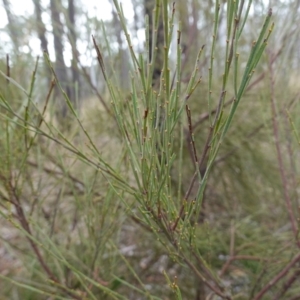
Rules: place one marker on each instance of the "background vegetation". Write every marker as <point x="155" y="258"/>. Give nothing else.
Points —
<point x="150" y="157"/>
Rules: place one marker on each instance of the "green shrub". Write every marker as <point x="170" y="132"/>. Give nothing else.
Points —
<point x="174" y="194"/>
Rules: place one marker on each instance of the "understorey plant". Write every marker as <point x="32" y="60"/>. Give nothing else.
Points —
<point x="152" y="124"/>
<point x="100" y="198"/>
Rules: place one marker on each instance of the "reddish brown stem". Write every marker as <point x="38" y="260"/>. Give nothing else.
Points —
<point x="191" y="139"/>
<point x="25" y="225"/>
<point x="287" y="285"/>
<point x="208" y="284"/>
<point x="276" y="278"/>
<point x="283" y="176"/>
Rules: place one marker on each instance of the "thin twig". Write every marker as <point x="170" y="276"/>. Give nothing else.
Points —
<point x="239" y="257"/>
<point x="203" y="117"/>
<point x="14" y="198"/>
<point x="208" y="284"/>
<point x="46" y="103"/>
<point x="191" y="134"/>
<point x="279" y="156"/>
<point x="277" y="277"/>
<point x="202" y="159"/>
<point x="287" y="285"/>
<point x="7" y="69"/>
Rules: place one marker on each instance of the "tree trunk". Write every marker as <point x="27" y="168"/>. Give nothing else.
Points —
<point x="149" y="8"/>
<point x="123" y="57"/>
<point x="41" y="31"/>
<point x="73" y="41"/>
<point x="41" y="28"/>
<point x="60" y="67"/>
<point x="13" y="27"/>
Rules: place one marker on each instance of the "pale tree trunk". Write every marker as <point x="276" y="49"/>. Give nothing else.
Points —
<point x="60" y="67"/>
<point x="13" y="29"/>
<point x="123" y="56"/>
<point x="189" y="32"/>
<point x="73" y="41"/>
<point x="149" y="7"/>
<point x="40" y="26"/>
<point x="41" y="31"/>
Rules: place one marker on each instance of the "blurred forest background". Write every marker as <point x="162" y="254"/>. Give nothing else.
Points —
<point x="67" y="232"/>
<point x="64" y="30"/>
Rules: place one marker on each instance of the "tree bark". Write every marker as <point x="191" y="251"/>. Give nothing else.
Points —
<point x="13" y="27"/>
<point x="40" y="26"/>
<point x="123" y="57"/>
<point x="41" y="31"/>
<point x="60" y="67"/>
<point x="149" y="8"/>
<point x="73" y="41"/>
